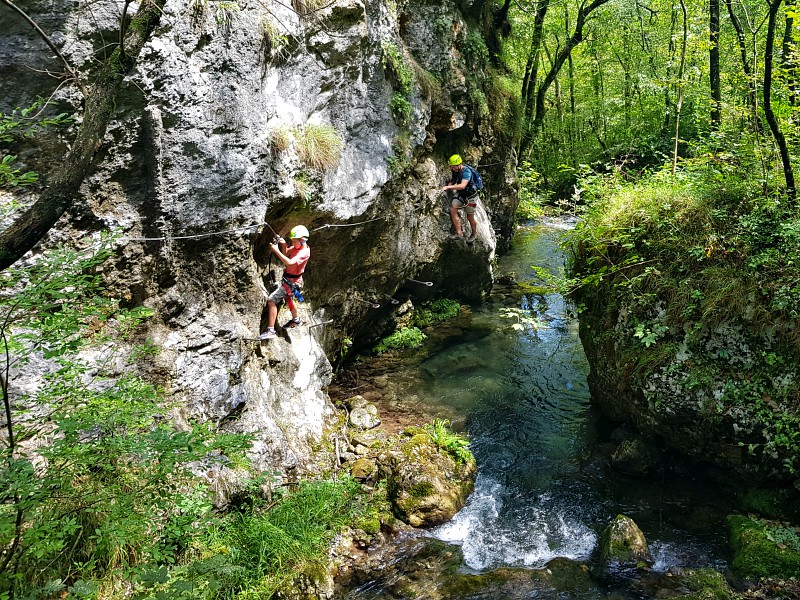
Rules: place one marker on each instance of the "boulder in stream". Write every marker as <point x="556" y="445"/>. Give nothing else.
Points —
<point x="623" y="545"/>
<point x="427" y="485"/>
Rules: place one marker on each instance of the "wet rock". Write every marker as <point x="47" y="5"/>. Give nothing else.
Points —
<point x="426" y="485"/>
<point x="563" y="574"/>
<point x="623" y="545"/>
<point x="636" y="456"/>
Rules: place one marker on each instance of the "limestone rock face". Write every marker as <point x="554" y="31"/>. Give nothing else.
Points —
<point x="623" y="544"/>
<point x="208" y="141"/>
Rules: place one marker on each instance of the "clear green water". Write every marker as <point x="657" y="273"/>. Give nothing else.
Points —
<point x="543" y="488"/>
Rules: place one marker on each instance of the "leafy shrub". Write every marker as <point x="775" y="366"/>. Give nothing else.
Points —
<point x="445" y="439"/>
<point x="436" y="312"/>
<point x="531" y="199"/>
<point x="406" y="337"/>
<point x="106" y="488"/>
<point x="398" y="68"/>
<point x="401" y="109"/>
<point x="319" y="146"/>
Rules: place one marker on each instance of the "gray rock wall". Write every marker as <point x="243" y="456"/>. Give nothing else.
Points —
<point x="200" y="146"/>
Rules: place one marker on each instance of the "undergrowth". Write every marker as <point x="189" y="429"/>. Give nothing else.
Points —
<point x="436" y="312"/>
<point x="687" y="256"/>
<point x="405" y="337"/>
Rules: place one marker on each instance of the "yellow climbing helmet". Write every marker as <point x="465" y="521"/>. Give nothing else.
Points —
<point x="455" y="160"/>
<point x="299" y="231"/>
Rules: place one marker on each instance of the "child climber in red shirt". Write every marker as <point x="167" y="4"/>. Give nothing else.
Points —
<point x="295" y="259"/>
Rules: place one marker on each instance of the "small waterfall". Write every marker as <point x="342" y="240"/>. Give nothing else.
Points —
<point x="493" y="532"/>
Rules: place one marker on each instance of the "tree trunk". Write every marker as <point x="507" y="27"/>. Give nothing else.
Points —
<point x="577" y="38"/>
<point x="752" y="99"/>
<point x="679" y="104"/>
<point x="532" y="71"/>
<point x="788" y="59"/>
<point x="713" y="64"/>
<point x="769" y="48"/>
<point x="63" y="187"/>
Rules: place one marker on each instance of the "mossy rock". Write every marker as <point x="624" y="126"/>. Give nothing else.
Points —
<point x="706" y="584"/>
<point x="426" y="485"/>
<point x="623" y="544"/>
<point x="763" y="548"/>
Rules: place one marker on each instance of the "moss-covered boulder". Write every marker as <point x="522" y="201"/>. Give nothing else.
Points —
<point x="427" y="484"/>
<point x="764" y="548"/>
<point x="623" y="544"/>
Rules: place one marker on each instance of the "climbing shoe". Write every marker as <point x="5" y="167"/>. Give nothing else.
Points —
<point x="292" y="323"/>
<point x="267" y="335"/>
<point x="471" y="238"/>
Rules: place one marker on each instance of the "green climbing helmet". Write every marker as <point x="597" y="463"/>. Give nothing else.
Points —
<point x="299" y="231"/>
<point x="455" y="160"/>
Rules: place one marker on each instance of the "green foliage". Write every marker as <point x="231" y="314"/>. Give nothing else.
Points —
<point x="531" y="198"/>
<point x="401" y="109"/>
<point x="406" y="337"/>
<point x="274" y="41"/>
<point x="101" y="485"/>
<point x="319" y="146"/>
<point x="400" y="160"/>
<point x="474" y="49"/>
<point x="445" y="439"/>
<point x="398" y="68"/>
<point x="764" y="548"/>
<point x="264" y="550"/>
<point x="11" y="177"/>
<point x="436" y="312"/>
<point x="687" y="255"/>
<point x="24" y="124"/>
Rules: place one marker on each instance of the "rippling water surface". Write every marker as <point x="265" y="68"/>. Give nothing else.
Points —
<point x="541" y="491"/>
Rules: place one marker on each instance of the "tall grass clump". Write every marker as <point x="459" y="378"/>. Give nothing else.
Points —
<point x="265" y="549"/>
<point x="319" y="146"/>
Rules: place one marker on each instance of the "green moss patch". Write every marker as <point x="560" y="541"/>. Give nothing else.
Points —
<point x="764" y="548"/>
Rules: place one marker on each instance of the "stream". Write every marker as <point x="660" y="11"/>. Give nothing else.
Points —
<point x="514" y="379"/>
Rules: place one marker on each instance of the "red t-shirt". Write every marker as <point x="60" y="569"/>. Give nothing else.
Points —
<point x="303" y="253"/>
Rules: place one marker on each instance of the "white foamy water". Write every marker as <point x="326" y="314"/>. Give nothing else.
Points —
<point x="491" y="536"/>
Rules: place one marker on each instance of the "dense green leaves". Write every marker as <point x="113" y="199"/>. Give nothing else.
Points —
<point x="94" y="480"/>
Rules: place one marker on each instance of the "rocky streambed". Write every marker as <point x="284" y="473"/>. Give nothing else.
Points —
<point x="564" y="504"/>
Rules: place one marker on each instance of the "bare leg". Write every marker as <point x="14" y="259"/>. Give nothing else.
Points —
<point x="473" y="225"/>
<point x="272" y="314"/>
<point x="456" y="220"/>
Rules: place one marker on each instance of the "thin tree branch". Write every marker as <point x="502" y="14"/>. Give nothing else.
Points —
<point x="72" y="74"/>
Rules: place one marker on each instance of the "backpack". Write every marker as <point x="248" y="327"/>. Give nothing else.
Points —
<point x="477" y="180"/>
